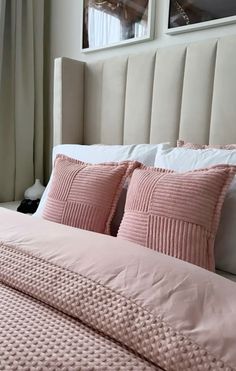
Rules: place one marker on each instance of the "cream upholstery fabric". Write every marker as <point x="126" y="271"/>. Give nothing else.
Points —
<point x="197" y="91"/>
<point x="167" y="93"/>
<point x="223" y="123"/>
<point x="185" y="91"/>
<point x="113" y="100"/>
<point x="138" y="98"/>
<point x="68" y="101"/>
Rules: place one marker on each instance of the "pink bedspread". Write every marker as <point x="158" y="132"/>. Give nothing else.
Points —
<point x="76" y="300"/>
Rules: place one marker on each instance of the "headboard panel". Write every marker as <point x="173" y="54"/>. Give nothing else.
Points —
<point x="197" y="92"/>
<point x="223" y="119"/>
<point x="186" y="92"/>
<point x="113" y="101"/>
<point x="138" y="99"/>
<point x="167" y="94"/>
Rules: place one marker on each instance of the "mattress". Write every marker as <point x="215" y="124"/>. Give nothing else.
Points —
<point x="76" y="300"/>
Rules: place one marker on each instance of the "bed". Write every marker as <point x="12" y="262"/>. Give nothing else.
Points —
<point x="73" y="299"/>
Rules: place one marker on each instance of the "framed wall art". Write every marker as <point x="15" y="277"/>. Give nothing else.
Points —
<point x="190" y="15"/>
<point x="110" y="23"/>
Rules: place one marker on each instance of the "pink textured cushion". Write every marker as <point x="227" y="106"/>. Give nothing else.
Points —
<point x="84" y="195"/>
<point x="183" y="144"/>
<point x="176" y="213"/>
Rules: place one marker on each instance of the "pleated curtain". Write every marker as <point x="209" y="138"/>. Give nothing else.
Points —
<point x="21" y="96"/>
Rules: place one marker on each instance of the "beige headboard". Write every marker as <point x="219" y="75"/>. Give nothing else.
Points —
<point x="186" y="92"/>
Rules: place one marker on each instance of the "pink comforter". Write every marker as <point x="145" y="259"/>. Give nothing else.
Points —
<point x="76" y="300"/>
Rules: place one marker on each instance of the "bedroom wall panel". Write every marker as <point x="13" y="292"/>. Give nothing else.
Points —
<point x="138" y="99"/>
<point x="167" y="94"/>
<point x="186" y="92"/>
<point x="113" y="100"/>
<point x="223" y="118"/>
<point x="93" y="100"/>
<point x="68" y="105"/>
<point x="197" y="92"/>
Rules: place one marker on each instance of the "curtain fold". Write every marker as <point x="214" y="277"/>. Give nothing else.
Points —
<point x="103" y="28"/>
<point x="21" y="96"/>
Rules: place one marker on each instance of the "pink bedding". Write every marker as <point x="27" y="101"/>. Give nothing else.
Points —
<point x="77" y="300"/>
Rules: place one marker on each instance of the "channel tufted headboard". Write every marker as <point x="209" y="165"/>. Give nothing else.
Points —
<point x="186" y="92"/>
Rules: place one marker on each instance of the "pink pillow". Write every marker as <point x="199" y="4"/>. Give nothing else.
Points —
<point x="84" y="195"/>
<point x="183" y="144"/>
<point x="176" y="213"/>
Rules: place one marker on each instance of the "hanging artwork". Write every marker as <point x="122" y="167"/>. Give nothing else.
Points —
<point x="109" y="23"/>
<point x="189" y="15"/>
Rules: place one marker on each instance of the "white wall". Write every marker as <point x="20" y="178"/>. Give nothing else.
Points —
<point x="65" y="29"/>
<point x="64" y="39"/>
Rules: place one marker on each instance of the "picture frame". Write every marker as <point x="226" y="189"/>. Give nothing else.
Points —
<point x="89" y="44"/>
<point x="199" y="24"/>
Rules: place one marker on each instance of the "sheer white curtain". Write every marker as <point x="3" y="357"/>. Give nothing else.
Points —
<point x="21" y="95"/>
<point x="140" y="29"/>
<point x="103" y="29"/>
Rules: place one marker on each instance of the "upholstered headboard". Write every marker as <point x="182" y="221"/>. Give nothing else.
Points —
<point x="186" y="92"/>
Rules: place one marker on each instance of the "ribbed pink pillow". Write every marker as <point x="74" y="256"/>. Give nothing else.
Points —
<point x="183" y="144"/>
<point x="84" y="195"/>
<point x="176" y="213"/>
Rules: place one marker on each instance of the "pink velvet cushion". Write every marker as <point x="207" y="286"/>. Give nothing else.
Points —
<point x="183" y="144"/>
<point x="84" y="195"/>
<point x="176" y="213"/>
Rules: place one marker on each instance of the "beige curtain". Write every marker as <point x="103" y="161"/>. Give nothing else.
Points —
<point x="21" y="96"/>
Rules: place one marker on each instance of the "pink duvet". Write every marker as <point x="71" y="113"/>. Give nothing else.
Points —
<point x="150" y="310"/>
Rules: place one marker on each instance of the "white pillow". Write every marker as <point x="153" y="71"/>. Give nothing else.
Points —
<point x="183" y="159"/>
<point x="99" y="153"/>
